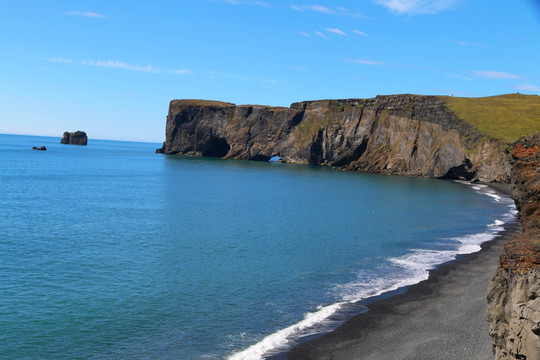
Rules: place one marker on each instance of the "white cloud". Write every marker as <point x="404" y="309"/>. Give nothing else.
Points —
<point x="122" y="65"/>
<point x="457" y="76"/>
<point x="496" y="75"/>
<point x="304" y="33"/>
<point x="319" y="8"/>
<point x="248" y="2"/>
<point x="178" y="72"/>
<point x="84" y="14"/>
<point x="326" y="10"/>
<point x="320" y="34"/>
<point x="359" y="32"/>
<point x="336" y="31"/>
<point x="369" y="62"/>
<point x="527" y="87"/>
<point x="60" y="60"/>
<point x="464" y="43"/>
<point x="413" y="7"/>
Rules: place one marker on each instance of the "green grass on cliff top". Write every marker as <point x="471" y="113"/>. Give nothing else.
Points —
<point x="503" y="117"/>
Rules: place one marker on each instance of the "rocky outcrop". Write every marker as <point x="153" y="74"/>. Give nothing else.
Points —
<point x="399" y="134"/>
<point x="74" y="138"/>
<point x="514" y="291"/>
<point x="41" y="148"/>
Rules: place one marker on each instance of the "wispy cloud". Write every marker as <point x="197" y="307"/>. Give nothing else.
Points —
<point x="338" y="10"/>
<point x="413" y="7"/>
<point x="89" y="14"/>
<point x="305" y="34"/>
<point x="317" y="8"/>
<point x="368" y="62"/>
<point x="457" y="76"/>
<point x="496" y="75"/>
<point x="336" y="31"/>
<point x="358" y="32"/>
<point x="122" y="65"/>
<point x="249" y="2"/>
<point x="527" y="87"/>
<point x="320" y="34"/>
<point x="60" y="60"/>
<point x="178" y="72"/>
<point x="464" y="43"/>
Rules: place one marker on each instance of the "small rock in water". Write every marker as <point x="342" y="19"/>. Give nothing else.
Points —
<point x="43" y="148"/>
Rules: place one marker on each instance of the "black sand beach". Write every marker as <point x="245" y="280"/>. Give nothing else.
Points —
<point x="443" y="317"/>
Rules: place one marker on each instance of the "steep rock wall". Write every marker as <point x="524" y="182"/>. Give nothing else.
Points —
<point x="514" y="291"/>
<point x="398" y="134"/>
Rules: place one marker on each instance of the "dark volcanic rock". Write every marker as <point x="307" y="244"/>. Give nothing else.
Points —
<point x="76" y="138"/>
<point x="514" y="291"/>
<point x="398" y="134"/>
<point x="42" y="148"/>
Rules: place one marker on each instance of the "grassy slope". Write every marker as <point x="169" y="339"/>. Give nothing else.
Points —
<point x="504" y="117"/>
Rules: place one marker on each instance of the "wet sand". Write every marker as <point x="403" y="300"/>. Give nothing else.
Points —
<point x="443" y="317"/>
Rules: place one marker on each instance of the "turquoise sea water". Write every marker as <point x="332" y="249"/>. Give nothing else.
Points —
<point x="113" y="251"/>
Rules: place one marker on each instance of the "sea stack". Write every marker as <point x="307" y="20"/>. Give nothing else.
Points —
<point x="74" y="138"/>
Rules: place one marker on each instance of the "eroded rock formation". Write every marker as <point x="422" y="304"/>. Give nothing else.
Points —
<point x="398" y="134"/>
<point x="514" y="291"/>
<point x="74" y="138"/>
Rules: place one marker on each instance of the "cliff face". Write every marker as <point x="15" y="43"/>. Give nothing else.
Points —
<point x="398" y="134"/>
<point x="514" y="291"/>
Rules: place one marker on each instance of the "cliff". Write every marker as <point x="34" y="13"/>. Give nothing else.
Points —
<point x="398" y="134"/>
<point x="514" y="291"/>
<point x="76" y="138"/>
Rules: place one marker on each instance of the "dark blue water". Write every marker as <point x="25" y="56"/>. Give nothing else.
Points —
<point x="113" y="251"/>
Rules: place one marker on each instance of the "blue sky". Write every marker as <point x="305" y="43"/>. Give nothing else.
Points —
<point x="110" y="68"/>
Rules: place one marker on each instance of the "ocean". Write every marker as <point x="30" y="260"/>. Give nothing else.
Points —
<point x="113" y="251"/>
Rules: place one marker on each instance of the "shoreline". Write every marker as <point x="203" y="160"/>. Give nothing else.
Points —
<point x="441" y="317"/>
<point x="409" y="322"/>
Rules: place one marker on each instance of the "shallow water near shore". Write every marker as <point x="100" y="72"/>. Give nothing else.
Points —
<point x="113" y="251"/>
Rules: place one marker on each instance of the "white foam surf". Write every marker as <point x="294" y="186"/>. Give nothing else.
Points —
<point x="280" y="338"/>
<point x="401" y="271"/>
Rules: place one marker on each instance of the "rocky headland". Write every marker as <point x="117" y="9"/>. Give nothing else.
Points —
<point x="399" y="135"/>
<point x="74" y="138"/>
